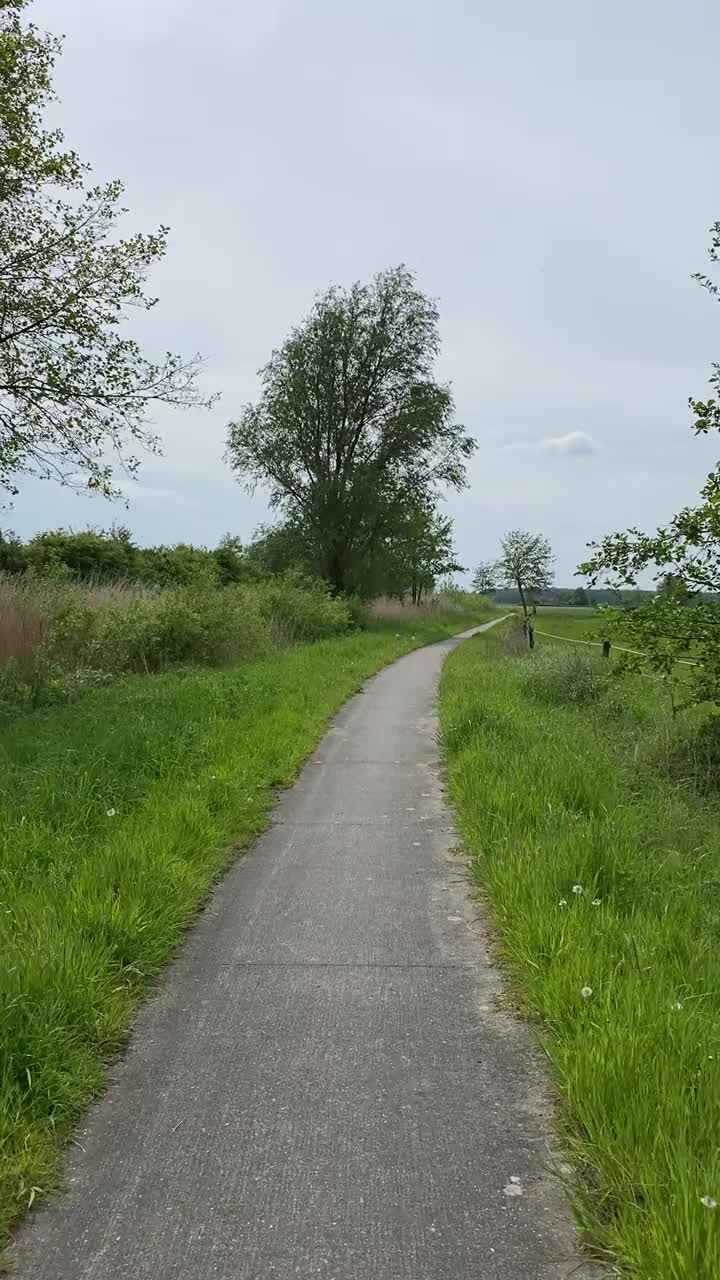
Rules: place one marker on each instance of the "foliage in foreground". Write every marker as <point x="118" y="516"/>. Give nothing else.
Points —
<point x="603" y="882"/>
<point x="116" y="814"/>
<point x="683" y="619"/>
<point x="74" y="388"/>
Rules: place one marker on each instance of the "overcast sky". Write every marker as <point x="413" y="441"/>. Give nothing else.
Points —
<point x="547" y="169"/>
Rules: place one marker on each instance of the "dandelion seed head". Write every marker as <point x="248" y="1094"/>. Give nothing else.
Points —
<point x="586" y="993"/>
<point x="596" y="902"/>
<point x="110" y="813"/>
<point x="577" y="888"/>
<point x="709" y="1202"/>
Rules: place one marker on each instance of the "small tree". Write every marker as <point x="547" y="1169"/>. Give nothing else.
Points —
<point x="684" y="556"/>
<point x="485" y="578"/>
<point x="350" y="428"/>
<point x="526" y="563"/>
<point x="74" y="388"/>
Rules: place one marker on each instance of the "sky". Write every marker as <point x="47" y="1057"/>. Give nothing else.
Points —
<point x="548" y="171"/>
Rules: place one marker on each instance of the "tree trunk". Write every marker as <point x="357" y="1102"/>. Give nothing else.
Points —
<point x="522" y="597"/>
<point x="336" y="574"/>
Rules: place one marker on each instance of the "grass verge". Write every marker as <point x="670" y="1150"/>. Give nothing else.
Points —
<point x="603" y="882"/>
<point x="116" y="813"/>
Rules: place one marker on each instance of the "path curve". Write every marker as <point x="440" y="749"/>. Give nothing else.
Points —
<point x="324" y="1084"/>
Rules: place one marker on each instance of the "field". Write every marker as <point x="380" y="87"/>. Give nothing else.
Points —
<point x="118" y="809"/>
<point x="592" y="826"/>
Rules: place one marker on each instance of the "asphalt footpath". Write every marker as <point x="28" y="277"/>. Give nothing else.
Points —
<point x="325" y="1082"/>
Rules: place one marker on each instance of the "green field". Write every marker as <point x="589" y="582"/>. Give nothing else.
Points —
<point x="600" y="863"/>
<point x="117" y="812"/>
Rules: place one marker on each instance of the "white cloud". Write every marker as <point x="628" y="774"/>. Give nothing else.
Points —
<point x="573" y="443"/>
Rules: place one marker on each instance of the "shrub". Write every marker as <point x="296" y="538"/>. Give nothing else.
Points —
<point x="300" y="608"/>
<point x="153" y="632"/>
<point x="89" y="554"/>
<point x="358" y="611"/>
<point x="565" y="677"/>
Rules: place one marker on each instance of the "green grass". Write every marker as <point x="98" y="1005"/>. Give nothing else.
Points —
<point x="553" y="796"/>
<point x="116" y="815"/>
<point x="576" y="624"/>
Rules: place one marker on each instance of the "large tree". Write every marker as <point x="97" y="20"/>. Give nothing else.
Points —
<point x="351" y="426"/>
<point x="526" y="563"/>
<point x="75" y="388"/>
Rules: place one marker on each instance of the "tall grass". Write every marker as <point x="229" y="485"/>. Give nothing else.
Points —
<point x="54" y="634"/>
<point x="603" y="881"/>
<point x="24" y="619"/>
<point x="386" y="608"/>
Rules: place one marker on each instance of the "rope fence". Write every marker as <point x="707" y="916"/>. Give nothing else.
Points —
<point x="638" y="653"/>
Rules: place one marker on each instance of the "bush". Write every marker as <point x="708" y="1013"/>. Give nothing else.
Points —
<point x="90" y="554"/>
<point x="152" y="632"/>
<point x="300" y="609"/>
<point x="562" y="677"/>
<point x="358" y="611"/>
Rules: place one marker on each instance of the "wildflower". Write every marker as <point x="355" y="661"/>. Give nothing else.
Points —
<point x="596" y="902"/>
<point x="577" y="888"/>
<point x="677" y="1005"/>
<point x="562" y="902"/>
<point x="586" y="993"/>
<point x="111" y="813"/>
<point x="709" y="1202"/>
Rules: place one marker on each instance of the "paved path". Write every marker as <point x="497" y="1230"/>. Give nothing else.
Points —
<point x="323" y="1085"/>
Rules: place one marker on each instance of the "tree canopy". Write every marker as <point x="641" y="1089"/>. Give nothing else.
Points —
<point x="350" y="428"/>
<point x="75" y="389"/>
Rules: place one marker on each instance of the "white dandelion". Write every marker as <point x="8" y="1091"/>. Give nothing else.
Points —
<point x="709" y="1202"/>
<point x="577" y="888"/>
<point x="586" y="993"/>
<point x="110" y="813"/>
<point x="596" y="902"/>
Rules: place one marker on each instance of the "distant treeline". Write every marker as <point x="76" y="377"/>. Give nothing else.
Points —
<point x="107" y="555"/>
<point x="575" y="597"/>
<point x="591" y="597"/>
